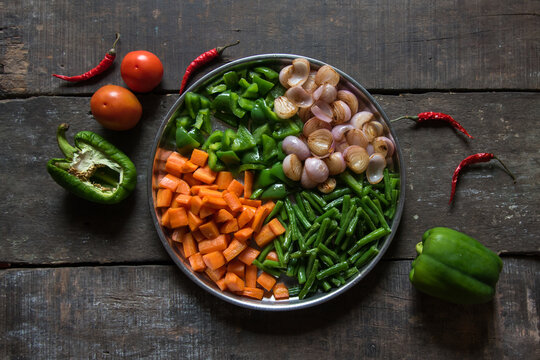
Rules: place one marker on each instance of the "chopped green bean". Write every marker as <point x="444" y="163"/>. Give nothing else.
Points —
<point x="322" y="231"/>
<point x="279" y="251"/>
<point x="326" y="286"/>
<point x="387" y="185"/>
<point x="323" y="248"/>
<point x="334" y="203"/>
<point x="301" y="274"/>
<point x="291" y="267"/>
<point x="346" y="205"/>
<point x="329" y="213"/>
<point x="294" y="290"/>
<point x="367" y="218"/>
<point x="266" y="269"/>
<point x="308" y="196"/>
<point x="336" y="194"/>
<point x="372" y="251"/>
<point x="380" y="197"/>
<point x="377" y="211"/>
<point x="351" y="272"/>
<point x="275" y="211"/>
<point x="301" y="218"/>
<point x="372" y="236"/>
<point x="265" y="252"/>
<point x="351" y="182"/>
<point x="353" y="222"/>
<point x="337" y="268"/>
<point x="345" y="220"/>
<point x="271" y="263"/>
<point x="309" y="210"/>
<point x="318" y="199"/>
<point x="326" y="259"/>
<point x="310" y="280"/>
<point x="334" y="281"/>
<point x="283" y="214"/>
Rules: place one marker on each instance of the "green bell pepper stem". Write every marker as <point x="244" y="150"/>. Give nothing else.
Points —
<point x="351" y="182"/>
<point x="93" y="169"/>
<point x="274" y="192"/>
<point x="372" y="236"/>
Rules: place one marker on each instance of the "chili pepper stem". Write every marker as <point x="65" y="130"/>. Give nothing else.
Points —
<point x="415" y="118"/>
<point x="112" y="50"/>
<point x="505" y="168"/>
<point x="221" y="48"/>
<point x="63" y="144"/>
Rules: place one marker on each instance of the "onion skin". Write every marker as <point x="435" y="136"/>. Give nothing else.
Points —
<point x="300" y="72"/>
<point x="284" y="75"/>
<point x="292" y="167"/>
<point x="299" y="96"/>
<point x="284" y="108"/>
<point x="374" y="171"/>
<point x="327" y="186"/>
<point x="294" y="145"/>
<point x="350" y="99"/>
<point x="314" y="124"/>
<point x="316" y="170"/>
<point x="340" y="112"/>
<point x="357" y="158"/>
<point x="338" y="131"/>
<point x="326" y="93"/>
<point x="359" y="119"/>
<point x="321" y="142"/>
<point x="323" y="111"/>
<point x="327" y="75"/>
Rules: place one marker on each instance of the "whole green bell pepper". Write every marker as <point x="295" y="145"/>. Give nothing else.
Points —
<point x="94" y="169"/>
<point x="455" y="267"/>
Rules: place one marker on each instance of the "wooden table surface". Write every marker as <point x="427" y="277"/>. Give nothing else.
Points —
<point x="80" y="280"/>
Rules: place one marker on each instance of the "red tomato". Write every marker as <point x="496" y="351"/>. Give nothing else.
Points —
<point x="141" y="70"/>
<point x="115" y="107"/>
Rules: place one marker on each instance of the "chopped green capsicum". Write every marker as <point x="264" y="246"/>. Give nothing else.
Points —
<point x="455" y="267"/>
<point x="94" y="169"/>
<point x="184" y="141"/>
<point x="274" y="192"/>
<point x="244" y="140"/>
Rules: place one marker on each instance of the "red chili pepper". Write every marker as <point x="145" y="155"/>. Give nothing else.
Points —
<point x="102" y="66"/>
<point x="430" y="115"/>
<point x="201" y="60"/>
<point x="474" y="159"/>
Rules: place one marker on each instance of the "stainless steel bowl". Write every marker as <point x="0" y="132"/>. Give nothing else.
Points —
<point x="165" y="143"/>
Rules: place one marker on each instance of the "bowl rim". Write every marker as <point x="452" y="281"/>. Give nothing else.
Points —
<point x="281" y="305"/>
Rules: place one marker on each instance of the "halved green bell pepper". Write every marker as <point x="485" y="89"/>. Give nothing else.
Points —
<point x="455" y="267"/>
<point x="94" y="169"/>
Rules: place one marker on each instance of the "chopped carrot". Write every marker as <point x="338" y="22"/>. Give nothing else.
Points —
<point x="208" y="192"/>
<point x="264" y="236"/>
<point x="183" y="187"/>
<point x="174" y="164"/>
<point x="193" y="221"/>
<point x="164" y="197"/>
<point x="270" y="205"/>
<point x="272" y="255"/>
<point x="244" y="234"/>
<point x="197" y="263"/>
<point x="221" y="284"/>
<point x="178" y="234"/>
<point x="209" y="230"/>
<point x="166" y="219"/>
<point x="206" y="211"/>
<point x="170" y="182"/>
<point x="260" y="215"/>
<point x="251" y="275"/>
<point x="234" y="249"/>
<point x="237" y="267"/>
<point x="229" y="227"/>
<point x="191" y="180"/>
<point x="220" y="243"/>
<point x="205" y="174"/>
<point x="175" y="204"/>
<point x="248" y="183"/>
<point x="276" y="227"/>
<point x="246" y="216"/>
<point x="236" y="187"/>
<point x="280" y="291"/>
<point x="183" y="199"/>
<point x="248" y="255"/>
<point x="195" y="204"/>
<point x="233" y="282"/>
<point x="189" y="167"/>
<point x="214" y="260"/>
<point x="222" y="216"/>
<point x="214" y="202"/>
<point x="189" y="245"/>
<point x="253" y="292"/>
<point x="232" y="201"/>
<point x="224" y="179"/>
<point x="198" y="235"/>
<point x="197" y="188"/>
<point x="199" y="157"/>
<point x="178" y="217"/>
<point x="249" y="202"/>
<point x="267" y="281"/>
<point x="217" y="274"/>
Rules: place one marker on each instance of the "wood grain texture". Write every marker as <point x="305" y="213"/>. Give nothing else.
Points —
<point x="50" y="226"/>
<point x="154" y="312"/>
<point x="483" y="44"/>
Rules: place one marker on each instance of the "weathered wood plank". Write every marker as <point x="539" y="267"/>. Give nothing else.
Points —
<point x="397" y="45"/>
<point x="155" y="312"/>
<point x="51" y="226"/>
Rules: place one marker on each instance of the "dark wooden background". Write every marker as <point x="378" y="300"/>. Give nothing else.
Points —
<point x="80" y="280"/>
